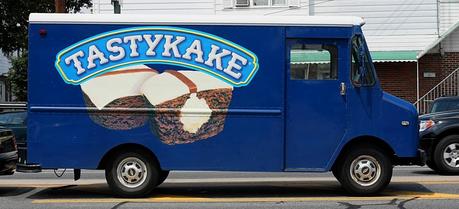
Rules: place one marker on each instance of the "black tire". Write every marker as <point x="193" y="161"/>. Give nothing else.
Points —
<point x="432" y="165"/>
<point x="126" y="162"/>
<point x="335" y="172"/>
<point x="443" y="146"/>
<point x="162" y="177"/>
<point x="372" y="156"/>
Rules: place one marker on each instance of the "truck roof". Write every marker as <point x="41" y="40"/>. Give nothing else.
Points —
<point x="249" y="20"/>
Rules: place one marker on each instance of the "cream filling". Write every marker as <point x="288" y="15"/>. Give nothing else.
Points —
<point x="194" y="114"/>
<point x="165" y="86"/>
<point x="104" y="89"/>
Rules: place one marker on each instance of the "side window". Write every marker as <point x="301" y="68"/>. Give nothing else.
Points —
<point x="362" y="72"/>
<point x="313" y="62"/>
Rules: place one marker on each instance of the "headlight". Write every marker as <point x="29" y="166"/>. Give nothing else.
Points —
<point x="425" y="124"/>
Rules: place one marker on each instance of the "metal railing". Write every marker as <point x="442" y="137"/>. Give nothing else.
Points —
<point x="449" y="86"/>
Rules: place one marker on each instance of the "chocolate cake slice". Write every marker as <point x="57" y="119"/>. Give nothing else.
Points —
<point x="113" y="97"/>
<point x="188" y="105"/>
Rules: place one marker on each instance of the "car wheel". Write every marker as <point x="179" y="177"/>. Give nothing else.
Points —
<point x="132" y="174"/>
<point x="163" y="176"/>
<point x="364" y="170"/>
<point x="446" y="155"/>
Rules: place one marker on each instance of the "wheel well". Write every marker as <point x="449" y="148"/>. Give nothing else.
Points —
<point x="366" y="140"/>
<point x="439" y="137"/>
<point x="124" y="148"/>
<point x="451" y="131"/>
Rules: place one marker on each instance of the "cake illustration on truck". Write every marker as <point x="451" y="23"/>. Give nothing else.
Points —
<point x="108" y="94"/>
<point x="195" y="109"/>
<point x="123" y="90"/>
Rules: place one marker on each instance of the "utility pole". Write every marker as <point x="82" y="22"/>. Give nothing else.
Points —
<point x="60" y="6"/>
<point x="116" y="6"/>
<point x="311" y="7"/>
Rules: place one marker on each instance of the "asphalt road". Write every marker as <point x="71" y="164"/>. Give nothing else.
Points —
<point x="411" y="187"/>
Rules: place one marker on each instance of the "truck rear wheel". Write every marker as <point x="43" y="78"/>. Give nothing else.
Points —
<point x="364" y="170"/>
<point x="132" y="174"/>
<point x="446" y="155"/>
<point x="162" y="176"/>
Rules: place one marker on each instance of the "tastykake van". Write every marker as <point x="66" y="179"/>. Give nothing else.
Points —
<point x="139" y="96"/>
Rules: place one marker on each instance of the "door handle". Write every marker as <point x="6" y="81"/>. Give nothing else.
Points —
<point x="342" y="91"/>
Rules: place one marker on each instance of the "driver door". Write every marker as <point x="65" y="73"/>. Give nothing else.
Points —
<point x="315" y="104"/>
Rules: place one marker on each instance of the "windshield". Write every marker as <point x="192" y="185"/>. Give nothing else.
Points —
<point x="445" y="105"/>
<point x="13" y="118"/>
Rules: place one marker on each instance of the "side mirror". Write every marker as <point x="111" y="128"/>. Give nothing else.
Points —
<point x="362" y="69"/>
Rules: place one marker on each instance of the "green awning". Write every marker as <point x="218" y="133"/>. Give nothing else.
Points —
<point x="394" y="56"/>
<point x="302" y="57"/>
<point x="309" y="57"/>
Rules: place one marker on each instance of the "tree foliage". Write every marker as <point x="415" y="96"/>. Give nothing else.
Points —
<point x="17" y="77"/>
<point x="14" y="15"/>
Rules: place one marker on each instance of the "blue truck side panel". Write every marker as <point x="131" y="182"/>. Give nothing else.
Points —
<point x="262" y="130"/>
<point x="68" y="138"/>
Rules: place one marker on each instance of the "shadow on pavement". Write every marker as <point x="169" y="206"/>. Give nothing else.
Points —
<point x="394" y="202"/>
<point x="428" y="172"/>
<point x="14" y="191"/>
<point x="225" y="190"/>
<point x="433" y="173"/>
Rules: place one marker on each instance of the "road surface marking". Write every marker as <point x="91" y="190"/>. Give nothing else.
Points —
<point x="29" y="182"/>
<point x="181" y="199"/>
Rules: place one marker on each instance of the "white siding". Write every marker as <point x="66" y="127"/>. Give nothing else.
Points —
<point x="390" y="24"/>
<point x="449" y="14"/>
<point x="157" y="7"/>
<point x="451" y="43"/>
<point x="4" y="64"/>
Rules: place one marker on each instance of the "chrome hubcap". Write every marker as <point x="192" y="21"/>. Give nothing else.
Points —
<point x="451" y="155"/>
<point x="131" y="172"/>
<point x="365" y="170"/>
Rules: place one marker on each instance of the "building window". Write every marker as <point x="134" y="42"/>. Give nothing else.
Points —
<point x="239" y="4"/>
<point x="279" y="2"/>
<point x="267" y="3"/>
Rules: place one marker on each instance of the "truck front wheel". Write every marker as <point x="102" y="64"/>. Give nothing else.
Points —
<point x="364" y="170"/>
<point x="132" y="174"/>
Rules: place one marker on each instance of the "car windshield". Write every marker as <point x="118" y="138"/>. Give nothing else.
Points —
<point x="12" y="118"/>
<point x="445" y="105"/>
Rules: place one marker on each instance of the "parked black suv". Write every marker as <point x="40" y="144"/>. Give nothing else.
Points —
<point x="16" y="121"/>
<point x="443" y="104"/>
<point x="439" y="133"/>
<point x="8" y="152"/>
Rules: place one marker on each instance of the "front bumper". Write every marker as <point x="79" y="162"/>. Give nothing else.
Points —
<point x="426" y="143"/>
<point x="8" y="161"/>
<point x="420" y="159"/>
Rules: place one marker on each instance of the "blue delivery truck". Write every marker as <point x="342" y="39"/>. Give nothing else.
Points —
<point x="140" y="95"/>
